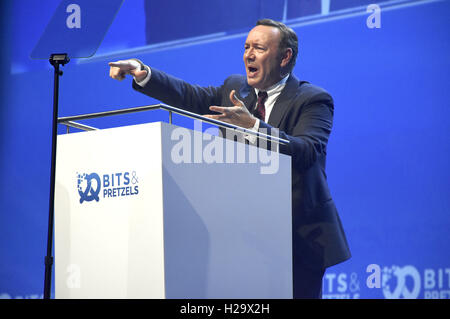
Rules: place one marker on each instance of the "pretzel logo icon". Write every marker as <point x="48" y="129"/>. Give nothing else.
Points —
<point x="401" y="290"/>
<point x="86" y="190"/>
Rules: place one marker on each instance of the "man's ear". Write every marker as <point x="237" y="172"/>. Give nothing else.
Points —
<point x="286" y="57"/>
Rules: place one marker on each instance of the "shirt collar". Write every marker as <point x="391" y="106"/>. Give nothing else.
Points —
<point x="276" y="87"/>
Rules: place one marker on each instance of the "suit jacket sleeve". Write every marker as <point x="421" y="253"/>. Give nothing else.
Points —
<point x="307" y="125"/>
<point x="178" y="93"/>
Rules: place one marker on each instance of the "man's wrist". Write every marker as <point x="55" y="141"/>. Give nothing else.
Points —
<point x="252" y="138"/>
<point x="142" y="77"/>
<point x="255" y="126"/>
<point x="144" y="80"/>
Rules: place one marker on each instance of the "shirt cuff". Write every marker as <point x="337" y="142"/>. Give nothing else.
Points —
<point x="146" y="79"/>
<point x="253" y="138"/>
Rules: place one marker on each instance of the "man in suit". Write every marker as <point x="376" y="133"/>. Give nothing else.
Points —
<point x="270" y="97"/>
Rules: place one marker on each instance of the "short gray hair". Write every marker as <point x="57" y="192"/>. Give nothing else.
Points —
<point x="288" y="39"/>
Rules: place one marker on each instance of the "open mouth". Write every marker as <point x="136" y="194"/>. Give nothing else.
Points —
<point x="252" y="70"/>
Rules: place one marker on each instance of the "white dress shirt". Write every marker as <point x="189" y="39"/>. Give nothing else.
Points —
<point x="273" y="93"/>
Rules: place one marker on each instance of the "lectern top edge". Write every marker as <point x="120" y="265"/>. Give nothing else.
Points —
<point x="69" y="120"/>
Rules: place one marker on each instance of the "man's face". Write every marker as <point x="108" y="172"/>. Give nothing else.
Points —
<point x="261" y="57"/>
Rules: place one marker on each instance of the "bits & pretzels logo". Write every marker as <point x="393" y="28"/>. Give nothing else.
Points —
<point x="93" y="186"/>
<point x="87" y="191"/>
<point x="394" y="282"/>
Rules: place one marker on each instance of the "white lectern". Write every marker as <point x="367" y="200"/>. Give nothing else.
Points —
<point x="159" y="211"/>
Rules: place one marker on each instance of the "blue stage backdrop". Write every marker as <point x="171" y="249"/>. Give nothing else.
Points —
<point x="388" y="154"/>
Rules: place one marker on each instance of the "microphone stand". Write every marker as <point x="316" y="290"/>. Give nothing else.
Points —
<point x="56" y="60"/>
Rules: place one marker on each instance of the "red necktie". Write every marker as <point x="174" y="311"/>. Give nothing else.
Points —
<point x="260" y="111"/>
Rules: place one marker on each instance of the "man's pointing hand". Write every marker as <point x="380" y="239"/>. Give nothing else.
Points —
<point x="118" y="70"/>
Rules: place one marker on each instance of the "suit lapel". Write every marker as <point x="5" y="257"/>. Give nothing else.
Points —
<point x="248" y="96"/>
<point x="283" y="102"/>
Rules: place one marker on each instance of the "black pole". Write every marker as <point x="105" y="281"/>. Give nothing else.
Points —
<point x="56" y="60"/>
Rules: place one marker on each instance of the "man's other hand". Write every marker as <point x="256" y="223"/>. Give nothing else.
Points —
<point x="237" y="114"/>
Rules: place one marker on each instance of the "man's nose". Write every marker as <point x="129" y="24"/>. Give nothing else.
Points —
<point x="249" y="54"/>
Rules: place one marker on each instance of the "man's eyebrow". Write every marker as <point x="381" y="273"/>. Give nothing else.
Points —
<point x="254" y="43"/>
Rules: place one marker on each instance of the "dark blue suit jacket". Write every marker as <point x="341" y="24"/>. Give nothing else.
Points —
<point x="303" y="113"/>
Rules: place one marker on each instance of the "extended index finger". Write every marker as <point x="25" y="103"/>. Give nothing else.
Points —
<point x="219" y="109"/>
<point x="123" y="65"/>
<point x="117" y="63"/>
